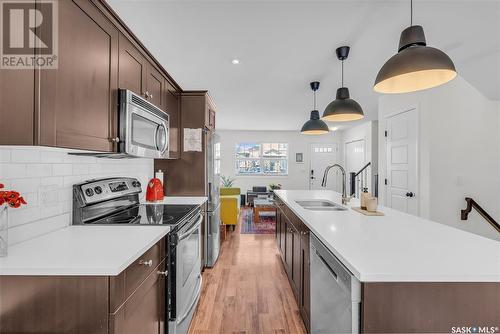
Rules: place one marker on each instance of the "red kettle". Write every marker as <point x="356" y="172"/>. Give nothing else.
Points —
<point x="154" y="191"/>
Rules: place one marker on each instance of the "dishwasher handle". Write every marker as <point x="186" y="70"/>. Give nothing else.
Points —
<point x="330" y="269"/>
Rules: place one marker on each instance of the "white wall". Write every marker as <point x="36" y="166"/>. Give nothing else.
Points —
<point x="298" y="173"/>
<point x="45" y="176"/>
<point x="459" y="152"/>
<point x="367" y="131"/>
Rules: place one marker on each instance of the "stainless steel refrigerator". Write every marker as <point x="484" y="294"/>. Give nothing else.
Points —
<point x="212" y="221"/>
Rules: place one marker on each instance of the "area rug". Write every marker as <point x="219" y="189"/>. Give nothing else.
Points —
<point x="266" y="224"/>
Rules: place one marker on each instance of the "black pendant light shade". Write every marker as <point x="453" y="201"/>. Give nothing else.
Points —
<point x="314" y="126"/>
<point x="343" y="108"/>
<point x="415" y="67"/>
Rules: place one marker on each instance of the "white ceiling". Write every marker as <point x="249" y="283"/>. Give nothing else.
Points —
<point x="283" y="45"/>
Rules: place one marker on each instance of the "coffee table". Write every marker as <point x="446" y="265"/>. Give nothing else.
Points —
<point x="263" y="205"/>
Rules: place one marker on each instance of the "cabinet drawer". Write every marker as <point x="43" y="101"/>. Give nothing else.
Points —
<point x="143" y="311"/>
<point x="123" y="285"/>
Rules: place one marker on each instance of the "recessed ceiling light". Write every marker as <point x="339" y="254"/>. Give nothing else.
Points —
<point x="334" y="128"/>
<point x="235" y="61"/>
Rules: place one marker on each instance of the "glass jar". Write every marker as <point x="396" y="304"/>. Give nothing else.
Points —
<point x="4" y="243"/>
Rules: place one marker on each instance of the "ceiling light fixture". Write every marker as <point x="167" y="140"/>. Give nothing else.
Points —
<point x="343" y="108"/>
<point x="314" y="126"/>
<point x="235" y="61"/>
<point x="416" y="66"/>
<point x="334" y="128"/>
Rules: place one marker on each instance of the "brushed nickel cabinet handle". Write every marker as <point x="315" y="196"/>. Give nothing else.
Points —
<point x="148" y="263"/>
<point x="164" y="273"/>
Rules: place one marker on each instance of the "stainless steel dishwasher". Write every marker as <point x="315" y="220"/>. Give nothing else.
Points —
<point x="335" y="293"/>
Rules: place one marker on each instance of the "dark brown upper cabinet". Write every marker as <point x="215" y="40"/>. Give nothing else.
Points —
<point x="76" y="105"/>
<point x="172" y="105"/>
<point x="78" y="100"/>
<point x="139" y="75"/>
<point x="155" y="87"/>
<point x="132" y="71"/>
<point x="17" y="96"/>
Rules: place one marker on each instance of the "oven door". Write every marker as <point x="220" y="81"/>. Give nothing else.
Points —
<point x="188" y="273"/>
<point x="146" y="130"/>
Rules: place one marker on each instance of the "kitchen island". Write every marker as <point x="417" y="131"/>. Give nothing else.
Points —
<point x="415" y="275"/>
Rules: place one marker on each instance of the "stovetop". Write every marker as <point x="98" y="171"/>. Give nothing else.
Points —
<point x="148" y="214"/>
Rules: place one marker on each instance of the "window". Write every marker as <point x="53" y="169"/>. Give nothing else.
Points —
<point x="262" y="159"/>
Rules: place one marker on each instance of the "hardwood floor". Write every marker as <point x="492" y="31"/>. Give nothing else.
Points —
<point x="247" y="291"/>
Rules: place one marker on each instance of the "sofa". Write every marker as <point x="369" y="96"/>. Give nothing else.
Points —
<point x="229" y="206"/>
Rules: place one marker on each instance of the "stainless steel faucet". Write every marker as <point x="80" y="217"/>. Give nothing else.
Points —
<point x="345" y="199"/>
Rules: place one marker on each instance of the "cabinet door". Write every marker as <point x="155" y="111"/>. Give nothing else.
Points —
<point x="296" y="258"/>
<point x="17" y="89"/>
<point x="78" y="101"/>
<point x="132" y="68"/>
<point x="278" y="228"/>
<point x="155" y="87"/>
<point x="283" y="235"/>
<point x="143" y="312"/>
<point x="305" y="296"/>
<point x="172" y="105"/>
<point x="288" y="246"/>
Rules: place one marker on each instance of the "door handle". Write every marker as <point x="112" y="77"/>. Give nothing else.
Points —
<point x="410" y="194"/>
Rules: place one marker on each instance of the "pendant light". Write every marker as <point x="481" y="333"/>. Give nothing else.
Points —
<point x="343" y="108"/>
<point x="416" y="66"/>
<point x="314" y="126"/>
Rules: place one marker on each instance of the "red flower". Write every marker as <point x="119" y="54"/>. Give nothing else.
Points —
<point x="12" y="198"/>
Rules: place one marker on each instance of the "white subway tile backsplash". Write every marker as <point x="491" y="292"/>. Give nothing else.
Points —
<point x="4" y="155"/>
<point x="12" y="171"/>
<point x="45" y="177"/>
<point x="38" y="170"/>
<point x="25" y="185"/>
<point x="22" y="216"/>
<point x="25" y="155"/>
<point x="52" y="181"/>
<point x="62" y="169"/>
<point x="80" y="169"/>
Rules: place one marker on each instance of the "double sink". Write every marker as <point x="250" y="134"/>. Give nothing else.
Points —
<point x="321" y="205"/>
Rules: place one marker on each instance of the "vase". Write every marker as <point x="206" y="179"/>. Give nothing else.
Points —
<point x="4" y="243"/>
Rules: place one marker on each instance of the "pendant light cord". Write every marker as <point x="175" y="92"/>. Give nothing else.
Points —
<point x="314" y="99"/>
<point x="342" y="73"/>
<point x="411" y="13"/>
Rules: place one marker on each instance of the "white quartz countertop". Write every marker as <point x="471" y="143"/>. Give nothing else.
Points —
<point x="87" y="250"/>
<point x="181" y="200"/>
<point x="81" y="251"/>
<point x="398" y="247"/>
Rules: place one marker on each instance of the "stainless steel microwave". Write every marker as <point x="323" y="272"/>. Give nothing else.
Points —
<point x="143" y="128"/>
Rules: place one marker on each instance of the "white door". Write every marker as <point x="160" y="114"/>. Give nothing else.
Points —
<point x="355" y="159"/>
<point x="402" y="179"/>
<point x="322" y="156"/>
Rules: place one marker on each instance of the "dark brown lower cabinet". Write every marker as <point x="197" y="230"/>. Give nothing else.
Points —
<point x="142" y="311"/>
<point x="129" y="303"/>
<point x="305" y="272"/>
<point x="292" y="238"/>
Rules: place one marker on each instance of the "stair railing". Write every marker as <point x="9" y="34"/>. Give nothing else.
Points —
<point x="473" y="204"/>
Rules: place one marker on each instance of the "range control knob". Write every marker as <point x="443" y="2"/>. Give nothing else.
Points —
<point x="136" y="184"/>
<point x="98" y="190"/>
<point x="89" y="192"/>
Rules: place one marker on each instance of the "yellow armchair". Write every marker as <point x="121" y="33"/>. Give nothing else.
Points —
<point x="229" y="205"/>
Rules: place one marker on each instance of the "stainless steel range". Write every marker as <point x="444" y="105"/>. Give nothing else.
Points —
<point x="115" y="201"/>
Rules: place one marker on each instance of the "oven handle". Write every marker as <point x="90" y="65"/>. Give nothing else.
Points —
<point x="191" y="230"/>
<point x="193" y="302"/>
